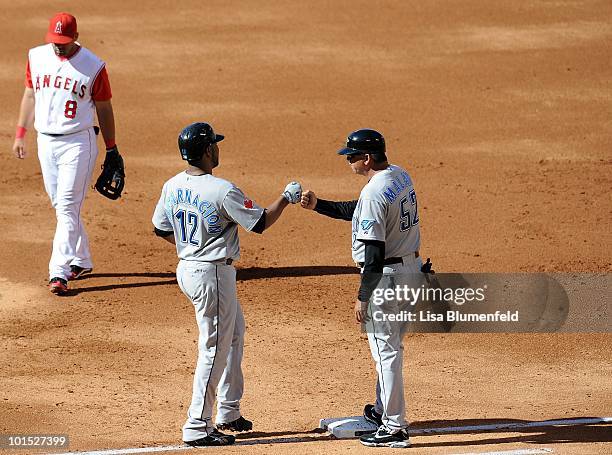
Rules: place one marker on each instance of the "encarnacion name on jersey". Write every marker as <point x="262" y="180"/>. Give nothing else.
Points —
<point x="184" y="196"/>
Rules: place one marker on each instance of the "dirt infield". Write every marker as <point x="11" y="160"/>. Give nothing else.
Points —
<point x="499" y="110"/>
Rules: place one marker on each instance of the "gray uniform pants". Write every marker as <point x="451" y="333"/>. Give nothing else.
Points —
<point x="385" y="339"/>
<point x="211" y="287"/>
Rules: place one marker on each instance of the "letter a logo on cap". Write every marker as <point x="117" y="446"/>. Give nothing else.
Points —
<point x="62" y="29"/>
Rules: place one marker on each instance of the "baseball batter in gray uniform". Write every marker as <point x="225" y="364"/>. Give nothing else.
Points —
<point x="200" y="214"/>
<point x="385" y="245"/>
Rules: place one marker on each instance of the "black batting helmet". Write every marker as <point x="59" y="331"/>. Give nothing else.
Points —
<point x="194" y="139"/>
<point x="363" y="141"/>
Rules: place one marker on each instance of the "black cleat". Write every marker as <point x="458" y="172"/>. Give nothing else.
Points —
<point x="240" y="424"/>
<point x="214" y="438"/>
<point x="77" y="272"/>
<point x="58" y="286"/>
<point x="371" y="415"/>
<point x="384" y="438"/>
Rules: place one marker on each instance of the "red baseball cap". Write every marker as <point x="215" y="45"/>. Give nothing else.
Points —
<point x="62" y="29"/>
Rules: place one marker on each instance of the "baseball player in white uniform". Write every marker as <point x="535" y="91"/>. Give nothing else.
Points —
<point x="385" y="245"/>
<point x="65" y="84"/>
<point x="200" y="214"/>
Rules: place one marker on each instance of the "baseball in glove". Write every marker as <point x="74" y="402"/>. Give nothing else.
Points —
<point x="112" y="179"/>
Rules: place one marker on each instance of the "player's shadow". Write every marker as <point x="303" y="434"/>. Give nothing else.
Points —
<point x="113" y="287"/>
<point x="281" y="437"/>
<point x="72" y="291"/>
<point x="242" y="274"/>
<point x="128" y="275"/>
<point x="256" y="273"/>
<point x="584" y="433"/>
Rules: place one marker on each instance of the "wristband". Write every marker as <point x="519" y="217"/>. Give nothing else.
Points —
<point x="110" y="143"/>
<point x="20" y="133"/>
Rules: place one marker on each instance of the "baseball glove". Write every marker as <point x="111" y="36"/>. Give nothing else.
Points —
<point x="112" y="179"/>
<point x="293" y="192"/>
<point x="426" y="268"/>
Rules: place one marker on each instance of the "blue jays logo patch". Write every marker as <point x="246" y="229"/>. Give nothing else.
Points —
<point x="366" y="225"/>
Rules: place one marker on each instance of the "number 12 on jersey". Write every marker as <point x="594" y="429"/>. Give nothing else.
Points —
<point x="407" y="220"/>
<point x="189" y="221"/>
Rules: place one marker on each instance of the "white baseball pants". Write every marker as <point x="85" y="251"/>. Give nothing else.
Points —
<point x="211" y="287"/>
<point x="386" y="347"/>
<point x="66" y="163"/>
